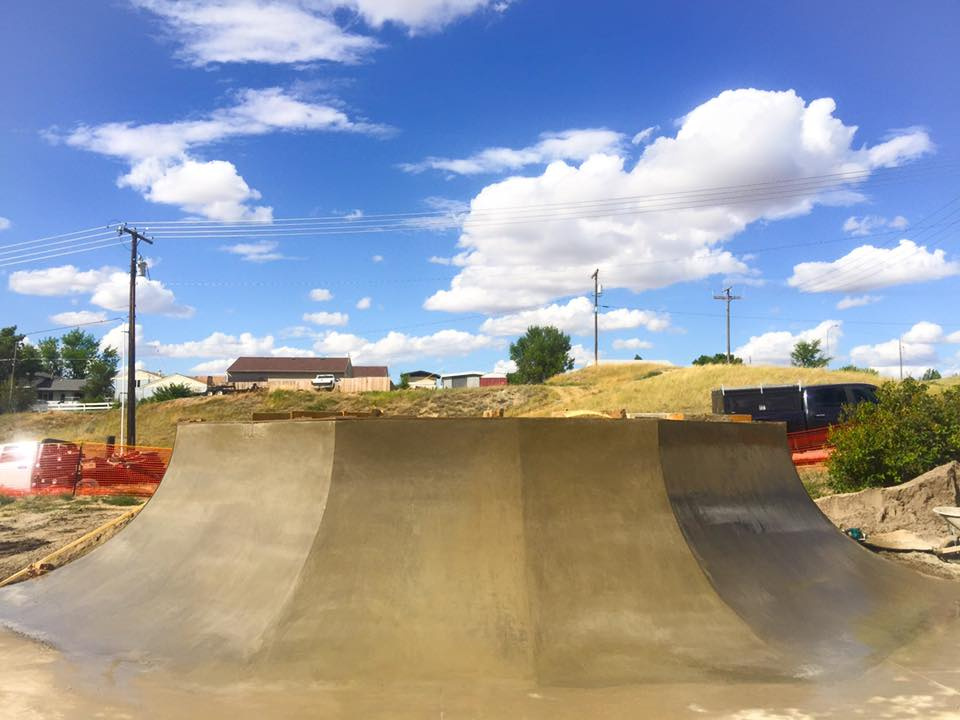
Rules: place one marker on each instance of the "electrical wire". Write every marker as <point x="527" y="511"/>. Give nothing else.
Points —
<point x="21" y="261"/>
<point x="832" y="179"/>
<point x="848" y="274"/>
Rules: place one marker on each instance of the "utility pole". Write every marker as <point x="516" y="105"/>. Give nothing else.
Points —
<point x="13" y="373"/>
<point x="900" y="346"/>
<point x="596" y="316"/>
<point x="727" y="298"/>
<point x="135" y="238"/>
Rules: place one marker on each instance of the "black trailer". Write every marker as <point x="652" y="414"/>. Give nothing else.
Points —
<point x="800" y="407"/>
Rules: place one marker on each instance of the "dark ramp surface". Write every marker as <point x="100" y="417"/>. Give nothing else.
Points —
<point x="578" y="553"/>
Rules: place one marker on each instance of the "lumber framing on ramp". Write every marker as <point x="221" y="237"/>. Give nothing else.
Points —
<point x="578" y="553"/>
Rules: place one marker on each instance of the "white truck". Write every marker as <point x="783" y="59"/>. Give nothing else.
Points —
<point x="324" y="381"/>
<point x="33" y="466"/>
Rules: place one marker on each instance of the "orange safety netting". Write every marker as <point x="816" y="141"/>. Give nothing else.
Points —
<point x="98" y="469"/>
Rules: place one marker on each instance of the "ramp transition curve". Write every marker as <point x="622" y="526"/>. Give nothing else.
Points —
<point x="573" y="552"/>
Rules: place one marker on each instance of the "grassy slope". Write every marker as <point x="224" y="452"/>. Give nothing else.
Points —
<point x="636" y="387"/>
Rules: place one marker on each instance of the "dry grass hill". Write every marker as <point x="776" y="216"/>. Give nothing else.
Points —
<point x="636" y="387"/>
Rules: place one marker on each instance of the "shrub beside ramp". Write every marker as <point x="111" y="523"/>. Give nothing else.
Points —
<point x="544" y="553"/>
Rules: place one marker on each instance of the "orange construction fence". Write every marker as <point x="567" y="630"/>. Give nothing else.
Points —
<point x="88" y="468"/>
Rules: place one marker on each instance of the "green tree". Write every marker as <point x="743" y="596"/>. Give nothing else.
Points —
<point x="717" y="359"/>
<point x="19" y="362"/>
<point x="541" y="353"/>
<point x="636" y="356"/>
<point x="808" y="354"/>
<point x="931" y="374"/>
<point x="909" y="431"/>
<point x="78" y="348"/>
<point x="49" y="349"/>
<point x="101" y="371"/>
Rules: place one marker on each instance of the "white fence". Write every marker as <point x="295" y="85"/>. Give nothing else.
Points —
<point x="71" y="406"/>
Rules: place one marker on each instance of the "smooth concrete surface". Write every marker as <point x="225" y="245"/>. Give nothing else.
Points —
<point x="480" y="568"/>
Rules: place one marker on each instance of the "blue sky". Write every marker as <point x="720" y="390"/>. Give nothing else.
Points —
<point x="413" y="182"/>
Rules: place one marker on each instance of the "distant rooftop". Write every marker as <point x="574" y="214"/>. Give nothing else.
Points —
<point x="290" y="365"/>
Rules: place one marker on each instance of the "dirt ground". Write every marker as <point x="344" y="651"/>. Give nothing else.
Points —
<point x="31" y="528"/>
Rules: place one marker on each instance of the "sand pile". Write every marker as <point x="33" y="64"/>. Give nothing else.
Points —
<point x="909" y="506"/>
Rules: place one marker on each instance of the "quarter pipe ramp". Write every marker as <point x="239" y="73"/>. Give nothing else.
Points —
<point x="576" y="553"/>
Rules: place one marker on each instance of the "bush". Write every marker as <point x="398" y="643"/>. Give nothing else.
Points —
<point x="6" y="500"/>
<point x="173" y="391"/>
<point x="857" y="369"/>
<point x="909" y="432"/>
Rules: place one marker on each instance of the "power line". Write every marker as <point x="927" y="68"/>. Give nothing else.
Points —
<point x="71" y="327"/>
<point x="840" y="178"/>
<point x="919" y="230"/>
<point x="52" y="237"/>
<point x="20" y="261"/>
<point x="318" y="227"/>
<point x="49" y="245"/>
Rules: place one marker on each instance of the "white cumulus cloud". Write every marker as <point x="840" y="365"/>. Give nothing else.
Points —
<point x="224" y="346"/>
<point x="263" y="31"/>
<point x="108" y="287"/>
<point x="321" y="294"/>
<point x="164" y="170"/>
<point x="631" y="344"/>
<point x="256" y="252"/>
<point x="296" y="31"/>
<point x="4" y="223"/>
<point x="918" y="346"/>
<point x="852" y="301"/>
<point x="646" y="244"/>
<point x="326" y="318"/>
<point x="868" y="224"/>
<point x="78" y="317"/>
<point x="364" y="303"/>
<point x="398" y="347"/>
<point x="575" y="317"/>
<point x="870" y="268"/>
<point x="567" y="145"/>
<point x="774" y="348"/>
<point x="644" y="135"/>
<point x="116" y="338"/>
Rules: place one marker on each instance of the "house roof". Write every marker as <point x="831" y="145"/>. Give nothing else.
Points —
<point x="290" y="365"/>
<point x="370" y="371"/>
<point x="468" y="373"/>
<point x="66" y="385"/>
<point x="422" y="374"/>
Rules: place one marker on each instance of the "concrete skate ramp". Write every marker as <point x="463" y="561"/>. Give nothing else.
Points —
<point x="577" y="552"/>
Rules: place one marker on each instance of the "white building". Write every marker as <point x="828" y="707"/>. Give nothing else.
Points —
<point x="192" y="383"/>
<point x="141" y="377"/>
<point x="468" y="379"/>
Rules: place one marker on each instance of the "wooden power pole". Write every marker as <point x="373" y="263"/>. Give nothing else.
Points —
<point x="135" y="238"/>
<point x="596" y="316"/>
<point x="727" y="298"/>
